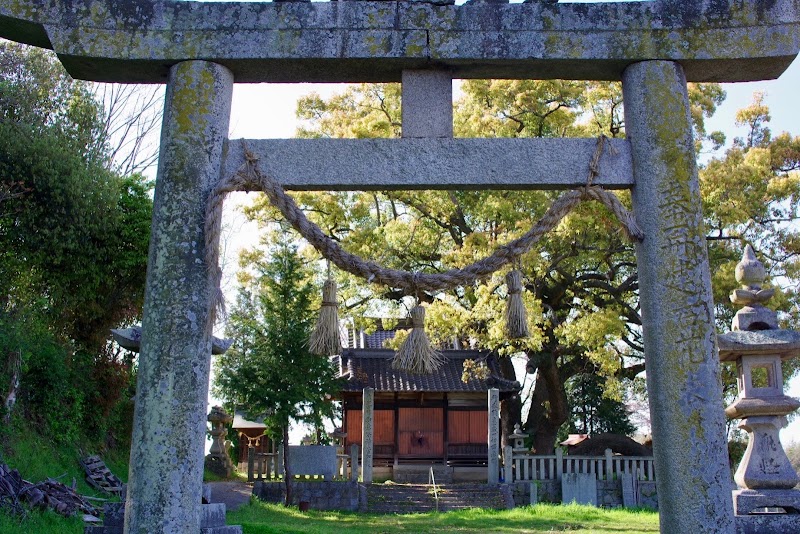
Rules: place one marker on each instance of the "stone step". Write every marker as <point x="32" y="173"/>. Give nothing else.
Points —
<point x="94" y="529"/>
<point x="114" y="514"/>
<point x="229" y="529"/>
<point x="213" y="516"/>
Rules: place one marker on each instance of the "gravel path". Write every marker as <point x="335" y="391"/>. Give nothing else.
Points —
<point x="233" y="494"/>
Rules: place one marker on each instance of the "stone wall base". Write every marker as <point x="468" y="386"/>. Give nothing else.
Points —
<point x="609" y="493"/>
<point x="320" y="495"/>
<point x="768" y="524"/>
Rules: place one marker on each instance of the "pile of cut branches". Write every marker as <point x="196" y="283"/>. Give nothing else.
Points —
<point x="16" y="492"/>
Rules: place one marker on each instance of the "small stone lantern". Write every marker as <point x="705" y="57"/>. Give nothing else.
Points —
<point x="765" y="476"/>
<point x="517" y="439"/>
<point x="217" y="460"/>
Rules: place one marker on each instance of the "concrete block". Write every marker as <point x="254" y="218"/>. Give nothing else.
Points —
<point x="683" y="373"/>
<point x="102" y="530"/>
<point x="114" y="514"/>
<point x="212" y="515"/>
<point x="768" y="524"/>
<point x="374" y="41"/>
<point x="233" y="529"/>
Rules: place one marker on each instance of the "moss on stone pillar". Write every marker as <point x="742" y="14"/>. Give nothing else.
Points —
<point x="166" y="466"/>
<point x="683" y="377"/>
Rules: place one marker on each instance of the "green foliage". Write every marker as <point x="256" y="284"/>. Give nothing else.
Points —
<point x="38" y="522"/>
<point x="69" y="395"/>
<point x="593" y="410"/>
<point x="269" y="371"/>
<point x="36" y="91"/>
<point x="793" y="452"/>
<point x="581" y="280"/>
<point x="263" y="518"/>
<point x="73" y="252"/>
<point x="74" y="236"/>
<point x="751" y="194"/>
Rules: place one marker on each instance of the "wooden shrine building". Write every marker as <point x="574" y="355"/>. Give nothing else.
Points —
<point x="421" y="420"/>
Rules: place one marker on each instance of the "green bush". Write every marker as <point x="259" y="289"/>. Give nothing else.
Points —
<point x="70" y="396"/>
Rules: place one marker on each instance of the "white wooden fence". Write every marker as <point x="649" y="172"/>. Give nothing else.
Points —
<point x="525" y="466"/>
<point x="269" y="466"/>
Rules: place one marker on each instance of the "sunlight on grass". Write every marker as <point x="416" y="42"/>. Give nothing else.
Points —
<point x="262" y="518"/>
<point x="40" y="523"/>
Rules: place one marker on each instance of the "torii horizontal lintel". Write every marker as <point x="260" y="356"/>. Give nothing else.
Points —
<point x="374" y="41"/>
<point x="386" y="164"/>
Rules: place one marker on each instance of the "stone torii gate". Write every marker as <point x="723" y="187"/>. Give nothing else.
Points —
<point x="201" y="49"/>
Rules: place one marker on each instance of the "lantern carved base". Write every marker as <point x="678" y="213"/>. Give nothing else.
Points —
<point x="765" y="465"/>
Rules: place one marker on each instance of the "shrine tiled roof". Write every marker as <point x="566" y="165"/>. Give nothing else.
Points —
<point x="362" y="368"/>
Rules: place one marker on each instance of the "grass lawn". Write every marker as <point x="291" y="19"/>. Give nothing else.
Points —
<point x="38" y="522"/>
<point x="260" y="518"/>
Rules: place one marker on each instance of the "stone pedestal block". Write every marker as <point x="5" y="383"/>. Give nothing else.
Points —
<point x="745" y="501"/>
<point x="212" y="520"/>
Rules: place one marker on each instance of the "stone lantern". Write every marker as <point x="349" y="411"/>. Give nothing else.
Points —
<point x="217" y="460"/>
<point x="517" y="439"/>
<point x="765" y="476"/>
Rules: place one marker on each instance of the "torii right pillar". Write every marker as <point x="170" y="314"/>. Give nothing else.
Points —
<point x="683" y="372"/>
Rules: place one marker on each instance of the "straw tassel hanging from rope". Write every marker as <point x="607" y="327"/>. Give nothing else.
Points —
<point x="416" y="355"/>
<point x="325" y="340"/>
<point x="516" y="315"/>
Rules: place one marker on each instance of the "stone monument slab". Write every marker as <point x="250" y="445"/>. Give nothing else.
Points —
<point x="579" y="487"/>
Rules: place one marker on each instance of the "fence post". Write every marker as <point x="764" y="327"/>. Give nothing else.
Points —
<point x="493" y="438"/>
<point x="508" y="464"/>
<point x="279" y="471"/>
<point x="354" y="462"/>
<point x="251" y="453"/>
<point x="609" y="466"/>
<point x="559" y="464"/>
<point x="367" y="434"/>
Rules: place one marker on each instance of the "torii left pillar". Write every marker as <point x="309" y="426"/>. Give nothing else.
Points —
<point x="166" y="465"/>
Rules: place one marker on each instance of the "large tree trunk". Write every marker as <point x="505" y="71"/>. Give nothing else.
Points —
<point x="549" y="405"/>
<point x="511" y="406"/>
<point x="287" y="474"/>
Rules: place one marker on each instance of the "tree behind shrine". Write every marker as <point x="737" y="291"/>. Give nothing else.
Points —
<point x="268" y="371"/>
<point x="581" y="279"/>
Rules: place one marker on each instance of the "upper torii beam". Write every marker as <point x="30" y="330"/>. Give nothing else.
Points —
<point x="201" y="49"/>
<point x="136" y="41"/>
